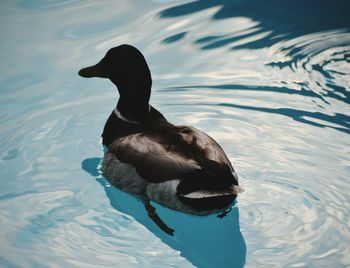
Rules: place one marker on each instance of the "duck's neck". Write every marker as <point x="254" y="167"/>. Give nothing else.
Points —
<point x="128" y="119"/>
<point x="132" y="109"/>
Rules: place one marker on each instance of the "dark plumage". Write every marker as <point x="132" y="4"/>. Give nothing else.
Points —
<point x="177" y="166"/>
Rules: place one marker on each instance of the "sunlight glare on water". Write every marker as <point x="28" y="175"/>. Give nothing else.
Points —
<point x="269" y="81"/>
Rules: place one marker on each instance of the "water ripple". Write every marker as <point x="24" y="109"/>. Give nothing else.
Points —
<point x="268" y="81"/>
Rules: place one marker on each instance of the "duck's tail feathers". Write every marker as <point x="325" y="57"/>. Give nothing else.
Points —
<point x="204" y="192"/>
<point x="233" y="190"/>
<point x="203" y="200"/>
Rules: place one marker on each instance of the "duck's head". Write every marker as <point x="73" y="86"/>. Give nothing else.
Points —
<point x="127" y="68"/>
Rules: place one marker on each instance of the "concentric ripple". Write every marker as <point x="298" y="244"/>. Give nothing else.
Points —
<point x="270" y="82"/>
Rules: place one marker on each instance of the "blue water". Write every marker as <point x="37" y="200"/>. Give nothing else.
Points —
<point x="269" y="80"/>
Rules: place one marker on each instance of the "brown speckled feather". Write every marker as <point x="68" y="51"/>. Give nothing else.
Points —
<point x="159" y="158"/>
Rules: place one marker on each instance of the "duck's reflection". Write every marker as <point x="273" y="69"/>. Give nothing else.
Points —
<point x="204" y="241"/>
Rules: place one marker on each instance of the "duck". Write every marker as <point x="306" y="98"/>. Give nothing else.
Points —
<point x="177" y="166"/>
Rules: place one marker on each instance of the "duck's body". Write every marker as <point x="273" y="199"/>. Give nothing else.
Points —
<point x="179" y="167"/>
<point x="158" y="160"/>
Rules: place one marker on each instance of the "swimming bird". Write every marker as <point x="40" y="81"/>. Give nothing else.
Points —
<point x="179" y="167"/>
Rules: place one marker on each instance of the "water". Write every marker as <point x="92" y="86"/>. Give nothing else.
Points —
<point x="268" y="80"/>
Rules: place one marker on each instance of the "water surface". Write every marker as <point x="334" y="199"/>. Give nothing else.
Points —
<point x="268" y="80"/>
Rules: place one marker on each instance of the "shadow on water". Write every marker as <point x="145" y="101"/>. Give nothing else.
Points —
<point x="280" y="20"/>
<point x="204" y="241"/>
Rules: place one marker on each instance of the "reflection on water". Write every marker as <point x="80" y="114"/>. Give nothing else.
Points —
<point x="269" y="80"/>
<point x="279" y="20"/>
<point x="204" y="241"/>
<point x="299" y="115"/>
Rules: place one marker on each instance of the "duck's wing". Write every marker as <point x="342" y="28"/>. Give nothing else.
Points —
<point x="170" y="154"/>
<point x="210" y="148"/>
<point x="153" y="156"/>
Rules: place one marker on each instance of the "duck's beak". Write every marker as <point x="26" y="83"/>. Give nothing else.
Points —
<point x="93" y="71"/>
